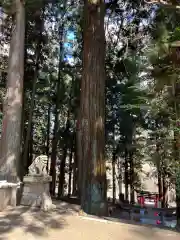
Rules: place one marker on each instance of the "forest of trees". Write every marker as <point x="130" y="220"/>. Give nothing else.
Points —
<point x="117" y="101"/>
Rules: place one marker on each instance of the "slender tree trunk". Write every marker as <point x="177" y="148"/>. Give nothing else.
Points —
<point x="70" y="170"/>
<point x="114" y="166"/>
<point x="62" y="173"/>
<point x="63" y="161"/>
<point x="126" y="175"/>
<point x="48" y="135"/>
<point x="30" y="151"/>
<point x="91" y="144"/>
<point x="75" y="173"/>
<point x="57" y="114"/>
<point x="54" y="145"/>
<point x="114" y="175"/>
<point x="29" y="130"/>
<point x="120" y="181"/>
<point x="35" y="78"/>
<point x="160" y="184"/>
<point x="66" y="137"/>
<point x="131" y="160"/>
<point x="12" y="114"/>
<point x="165" y="189"/>
<point x="159" y="167"/>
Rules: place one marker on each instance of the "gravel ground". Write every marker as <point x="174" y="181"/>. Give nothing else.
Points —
<point x="65" y="223"/>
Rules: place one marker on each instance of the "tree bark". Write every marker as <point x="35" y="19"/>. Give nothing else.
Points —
<point x="176" y="152"/>
<point x="165" y="189"/>
<point x="24" y="114"/>
<point x="70" y="171"/>
<point x="48" y="135"/>
<point x="57" y="114"/>
<point x="160" y="184"/>
<point x="75" y="172"/>
<point x="114" y="166"/>
<point x="40" y="26"/>
<point x="30" y="148"/>
<point x="176" y="157"/>
<point x="79" y="155"/>
<point x="12" y="112"/>
<point x="54" y="144"/>
<point x="126" y="175"/>
<point x="159" y="167"/>
<point x="120" y="180"/>
<point x="131" y="160"/>
<point x="91" y="146"/>
<point x="114" y="175"/>
<point x="63" y="161"/>
<point x="62" y="173"/>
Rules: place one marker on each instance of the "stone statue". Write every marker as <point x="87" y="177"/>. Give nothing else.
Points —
<point x="36" y="185"/>
<point x="39" y="166"/>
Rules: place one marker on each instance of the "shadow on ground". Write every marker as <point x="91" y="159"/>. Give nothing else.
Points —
<point x="148" y="227"/>
<point x="117" y="216"/>
<point x="148" y="233"/>
<point x="33" y="221"/>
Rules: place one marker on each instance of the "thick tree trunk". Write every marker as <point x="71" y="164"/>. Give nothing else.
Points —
<point x="24" y="114"/>
<point x="178" y="197"/>
<point x="176" y="151"/>
<point x="176" y="157"/>
<point x="12" y="114"/>
<point x="91" y="133"/>
<point x="79" y="155"/>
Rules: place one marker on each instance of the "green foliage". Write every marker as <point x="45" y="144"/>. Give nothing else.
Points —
<point x="141" y="86"/>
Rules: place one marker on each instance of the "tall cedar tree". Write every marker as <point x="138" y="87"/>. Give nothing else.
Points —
<point x="11" y="127"/>
<point x="91" y="132"/>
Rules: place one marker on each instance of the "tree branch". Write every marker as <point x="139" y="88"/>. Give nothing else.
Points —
<point x="111" y="4"/>
<point x="167" y="4"/>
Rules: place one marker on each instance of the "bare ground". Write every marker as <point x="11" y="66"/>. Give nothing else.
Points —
<point x="64" y="223"/>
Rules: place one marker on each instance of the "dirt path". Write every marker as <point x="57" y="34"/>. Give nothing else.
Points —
<point x="23" y="224"/>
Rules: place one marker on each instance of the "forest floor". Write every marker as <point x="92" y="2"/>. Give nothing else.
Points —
<point x="63" y="223"/>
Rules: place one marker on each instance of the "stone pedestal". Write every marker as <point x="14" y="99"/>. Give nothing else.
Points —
<point x="8" y="193"/>
<point x="36" y="192"/>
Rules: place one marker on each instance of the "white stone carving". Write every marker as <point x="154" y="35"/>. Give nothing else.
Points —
<point x="36" y="186"/>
